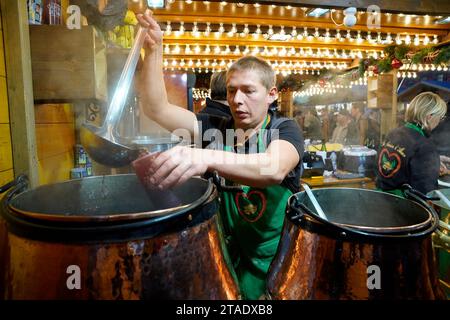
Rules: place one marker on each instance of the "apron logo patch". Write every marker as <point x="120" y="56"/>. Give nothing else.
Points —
<point x="251" y="206"/>
<point x="388" y="163"/>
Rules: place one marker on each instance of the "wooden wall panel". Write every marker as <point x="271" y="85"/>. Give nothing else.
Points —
<point x="53" y="113"/>
<point x="6" y="162"/>
<point x="55" y="139"/>
<point x="4" y="111"/>
<point x="6" y="159"/>
<point x="56" y="168"/>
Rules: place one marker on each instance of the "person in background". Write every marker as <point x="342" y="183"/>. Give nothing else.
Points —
<point x="217" y="104"/>
<point x="312" y="128"/>
<point x="253" y="218"/>
<point x="361" y="123"/>
<point x="441" y="139"/>
<point x="407" y="156"/>
<point x="345" y="131"/>
<point x="373" y="129"/>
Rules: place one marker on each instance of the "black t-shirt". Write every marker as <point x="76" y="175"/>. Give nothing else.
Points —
<point x="406" y="156"/>
<point x="288" y="130"/>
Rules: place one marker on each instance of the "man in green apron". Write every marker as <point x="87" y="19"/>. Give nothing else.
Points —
<point x="265" y="164"/>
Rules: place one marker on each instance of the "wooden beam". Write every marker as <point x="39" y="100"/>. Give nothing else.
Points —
<point x="20" y="88"/>
<point x="441" y="7"/>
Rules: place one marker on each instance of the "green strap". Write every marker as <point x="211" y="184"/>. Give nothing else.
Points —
<point x="415" y="127"/>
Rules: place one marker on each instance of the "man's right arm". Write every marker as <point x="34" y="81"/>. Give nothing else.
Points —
<point x="151" y="88"/>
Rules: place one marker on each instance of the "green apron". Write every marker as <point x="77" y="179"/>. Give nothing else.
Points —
<point x="399" y="192"/>
<point x="253" y="220"/>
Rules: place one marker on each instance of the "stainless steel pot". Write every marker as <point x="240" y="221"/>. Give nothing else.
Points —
<point x="126" y="242"/>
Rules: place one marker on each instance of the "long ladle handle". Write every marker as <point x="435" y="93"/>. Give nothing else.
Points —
<point x="123" y="86"/>
<point x="443" y="197"/>
<point x="314" y="201"/>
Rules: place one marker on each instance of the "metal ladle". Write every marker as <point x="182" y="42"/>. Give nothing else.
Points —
<point x="102" y="143"/>
<point x="314" y="201"/>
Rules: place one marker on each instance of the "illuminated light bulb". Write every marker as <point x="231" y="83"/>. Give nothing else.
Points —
<point x="435" y="39"/>
<point x="316" y="33"/>
<point x="207" y="49"/>
<point x="206" y="3"/>
<point x="166" y="49"/>
<point x="233" y="30"/>
<point x="282" y="32"/>
<point x="433" y="67"/>
<point x="369" y="36"/>
<point x="174" y="63"/>
<point x="389" y="38"/>
<point x="283" y="52"/>
<point x="426" y="40"/>
<point x="237" y="51"/>
<point x="165" y="63"/>
<point x="414" y="75"/>
<point x="305" y="32"/>
<point x="197" y="49"/>
<point x="176" y="50"/>
<point x="182" y="63"/>
<point x="358" y="37"/>
<point x="270" y="31"/>
<point x="181" y="30"/>
<point x="407" y="39"/>
<point x="187" y="49"/>
<point x="217" y="50"/>
<point x="221" y="28"/>
<point x="190" y="63"/>
<point x="208" y="29"/>
<point x="327" y="35"/>
<point x="168" y="30"/>
<point x="240" y="4"/>
<point x="188" y="1"/>
<point x="445" y="68"/>
<point x="198" y="64"/>
<point x="223" y="3"/>
<point x="439" y="68"/>
<point x="246" y="30"/>
<point x="294" y="32"/>
<point x="379" y="39"/>
<point x="338" y="35"/>
<point x="349" y="36"/>
<point x="292" y="51"/>
<point x="398" y="40"/>
<point x="195" y="32"/>
<point x="222" y="63"/>
<point x="255" y="51"/>
<point x="256" y="5"/>
<point x="416" y="40"/>
<point x="206" y="63"/>
<point x="227" y="49"/>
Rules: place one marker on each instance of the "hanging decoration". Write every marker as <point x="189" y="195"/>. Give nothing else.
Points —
<point x="398" y="55"/>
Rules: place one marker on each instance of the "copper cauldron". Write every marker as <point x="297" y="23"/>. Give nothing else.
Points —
<point x="107" y="237"/>
<point x="373" y="245"/>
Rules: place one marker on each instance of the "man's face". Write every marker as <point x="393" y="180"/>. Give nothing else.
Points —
<point x="354" y="112"/>
<point x="249" y="100"/>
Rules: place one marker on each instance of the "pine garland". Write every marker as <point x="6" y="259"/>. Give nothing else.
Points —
<point x="434" y="55"/>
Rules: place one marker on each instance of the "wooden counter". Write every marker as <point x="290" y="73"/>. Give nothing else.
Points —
<point x="333" y="182"/>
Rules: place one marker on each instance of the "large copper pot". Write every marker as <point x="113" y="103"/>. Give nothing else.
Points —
<point x="373" y="245"/>
<point x="123" y="241"/>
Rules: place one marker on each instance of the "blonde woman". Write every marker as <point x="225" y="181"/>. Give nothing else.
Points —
<point x="407" y="155"/>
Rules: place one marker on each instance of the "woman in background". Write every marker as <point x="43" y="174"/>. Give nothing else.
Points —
<point x="407" y="156"/>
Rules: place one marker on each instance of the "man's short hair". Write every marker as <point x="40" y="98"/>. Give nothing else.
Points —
<point x="218" y="86"/>
<point x="265" y="71"/>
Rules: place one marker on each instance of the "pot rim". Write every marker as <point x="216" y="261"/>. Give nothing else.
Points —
<point x="109" y="217"/>
<point x="378" y="230"/>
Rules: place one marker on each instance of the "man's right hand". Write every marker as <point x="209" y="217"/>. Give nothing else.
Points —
<point x="154" y="36"/>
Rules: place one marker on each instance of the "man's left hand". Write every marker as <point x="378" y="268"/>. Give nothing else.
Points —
<point x="175" y="166"/>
